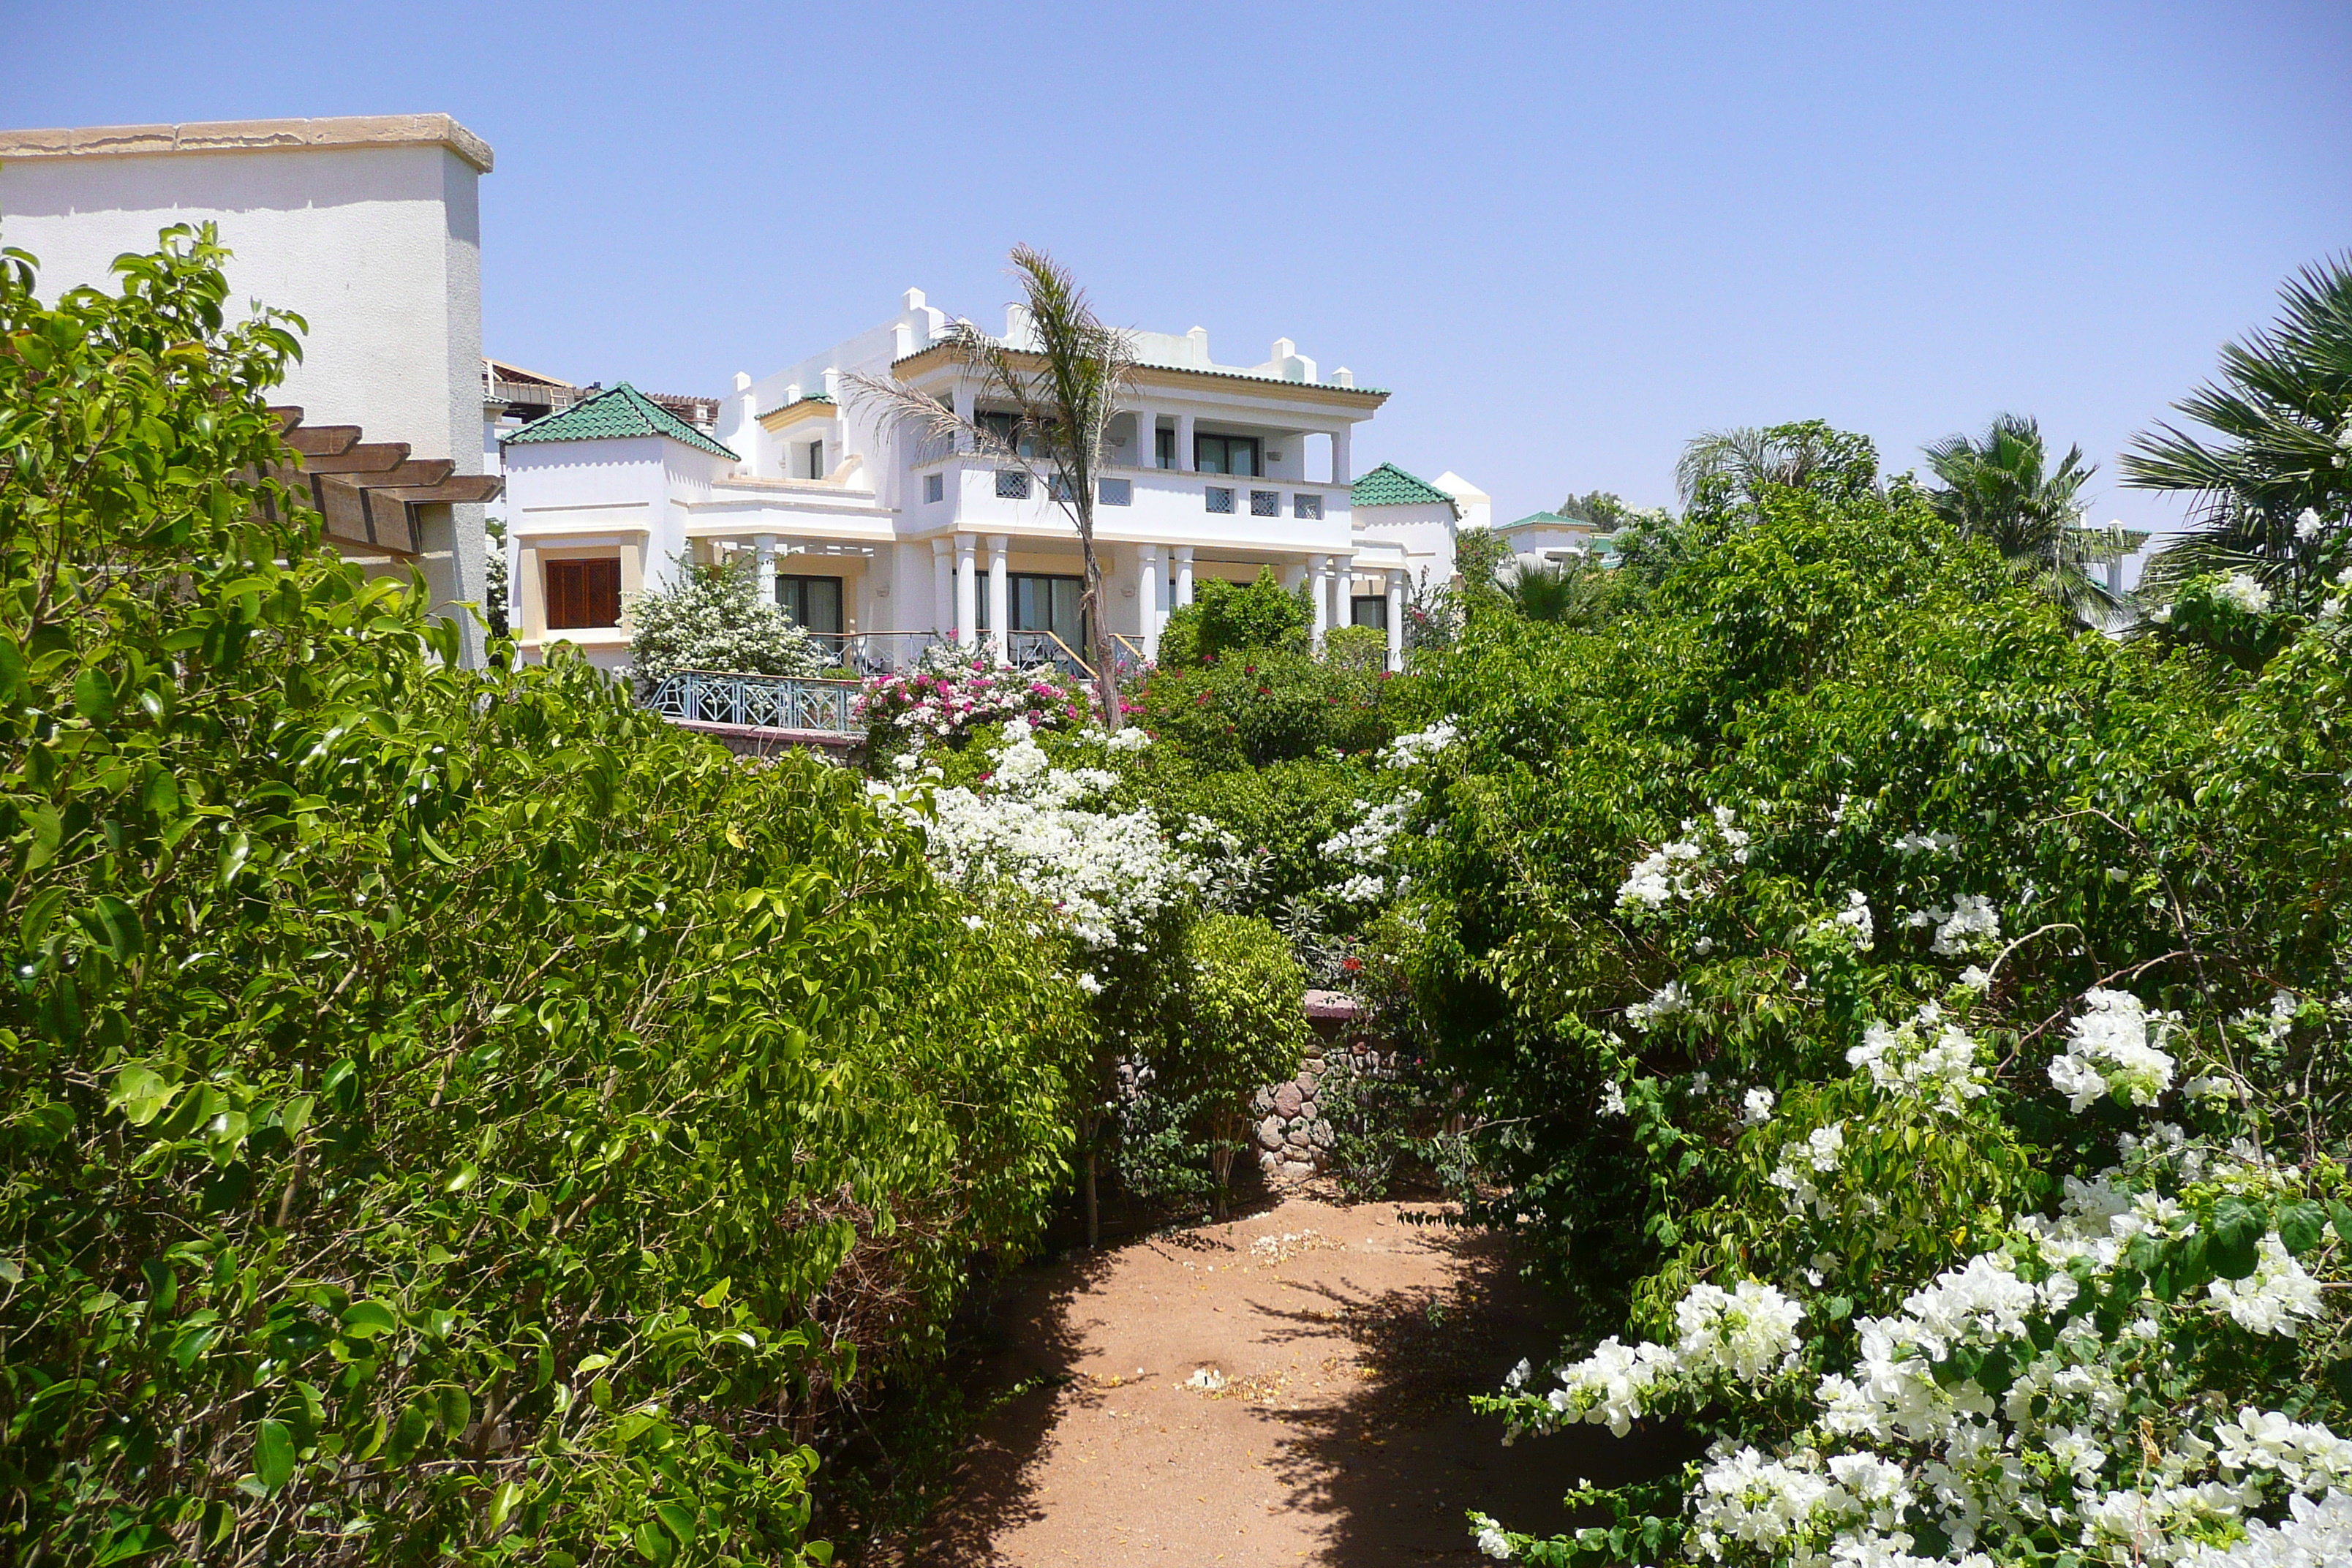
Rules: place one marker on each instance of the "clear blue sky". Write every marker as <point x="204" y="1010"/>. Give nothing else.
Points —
<point x="1566" y="236"/>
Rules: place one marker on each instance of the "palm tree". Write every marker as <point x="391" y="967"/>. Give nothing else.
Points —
<point x="1566" y="592"/>
<point x="1741" y="463"/>
<point x="1999" y="488"/>
<point x="1063" y="389"/>
<point x="2279" y="448"/>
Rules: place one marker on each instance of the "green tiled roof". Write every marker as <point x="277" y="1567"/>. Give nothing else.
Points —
<point x="1549" y="520"/>
<point x="622" y="412"/>
<point x="1389" y="485"/>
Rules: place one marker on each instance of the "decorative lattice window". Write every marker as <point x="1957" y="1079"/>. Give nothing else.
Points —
<point x="1265" y="503"/>
<point x="1219" y="497"/>
<point x="1058" y="488"/>
<point x="935" y="487"/>
<point x="1118" y="493"/>
<point x="1307" y="506"/>
<point x="1012" y="484"/>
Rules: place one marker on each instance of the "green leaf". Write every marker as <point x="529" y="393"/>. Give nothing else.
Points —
<point x="502" y="1502"/>
<point x="680" y="1520"/>
<point x="139" y="1093"/>
<point x="2339" y="1215"/>
<point x="40" y="913"/>
<point x="366" y="1319"/>
<point x="93" y="696"/>
<point x="115" y="925"/>
<point x="715" y="1295"/>
<point x="2234" y="1238"/>
<point x="2300" y="1224"/>
<point x="654" y="1544"/>
<point x="273" y="1455"/>
<point x="235" y="852"/>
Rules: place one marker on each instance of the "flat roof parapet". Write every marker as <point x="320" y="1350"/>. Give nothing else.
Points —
<point x="249" y="136"/>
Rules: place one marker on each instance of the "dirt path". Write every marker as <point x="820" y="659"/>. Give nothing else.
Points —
<point x="1344" y="1340"/>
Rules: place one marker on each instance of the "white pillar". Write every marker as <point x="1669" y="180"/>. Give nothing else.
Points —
<point x="1184" y="442"/>
<point x="763" y="554"/>
<point x="1147" y="445"/>
<point x="1000" y="619"/>
<point x="1183" y="574"/>
<point x="1341" y="473"/>
<point x="1319" y="586"/>
<point x="1343" y="590"/>
<point x="1150" y="581"/>
<point x="1396" y="621"/>
<point x="964" y="405"/>
<point x="942" y="586"/>
<point x="967" y="602"/>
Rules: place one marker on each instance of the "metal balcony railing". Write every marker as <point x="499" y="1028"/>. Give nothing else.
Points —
<point x="754" y="701"/>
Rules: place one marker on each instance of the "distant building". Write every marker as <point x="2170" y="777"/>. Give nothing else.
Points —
<point x="885" y="541"/>
<point x="369" y="228"/>
<point x="1549" y="539"/>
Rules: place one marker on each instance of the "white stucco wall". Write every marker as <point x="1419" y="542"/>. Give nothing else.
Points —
<point x="1424" y="532"/>
<point x="369" y="229"/>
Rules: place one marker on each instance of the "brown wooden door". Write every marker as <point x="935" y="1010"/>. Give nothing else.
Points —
<point x="583" y="594"/>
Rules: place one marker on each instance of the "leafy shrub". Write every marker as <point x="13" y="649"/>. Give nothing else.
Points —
<point x="440" y="1105"/>
<point x="1837" y="946"/>
<point x="1245" y="1026"/>
<point x="1224" y="618"/>
<point x="712" y="617"/>
<point x="1265" y="705"/>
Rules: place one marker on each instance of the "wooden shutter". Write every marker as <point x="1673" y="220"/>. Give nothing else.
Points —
<point x="583" y="594"/>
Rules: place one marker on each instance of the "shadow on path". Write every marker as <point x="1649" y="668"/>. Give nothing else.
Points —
<point x="1394" y="1464"/>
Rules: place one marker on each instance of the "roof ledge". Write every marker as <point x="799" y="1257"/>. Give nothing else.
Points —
<point x="250" y="136"/>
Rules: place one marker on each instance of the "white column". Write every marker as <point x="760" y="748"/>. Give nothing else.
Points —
<point x="967" y="602"/>
<point x="1341" y="472"/>
<point x="964" y="404"/>
<point x="942" y="586"/>
<point x="1319" y="585"/>
<point x="1183" y="574"/>
<point x="1396" y="621"/>
<point x="1150" y="581"/>
<point x="1343" y="590"/>
<point x="1145" y="453"/>
<point x="1184" y="442"/>
<point x="1000" y="619"/>
<point x="764" y="547"/>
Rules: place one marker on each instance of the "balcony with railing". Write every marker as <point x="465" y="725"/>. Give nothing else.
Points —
<point x="1285" y="516"/>
<point x="822" y="710"/>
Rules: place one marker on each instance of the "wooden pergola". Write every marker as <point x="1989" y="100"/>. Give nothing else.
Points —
<point x="368" y="492"/>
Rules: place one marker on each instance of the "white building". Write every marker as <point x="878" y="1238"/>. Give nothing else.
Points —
<point x="868" y="531"/>
<point x="369" y="228"/>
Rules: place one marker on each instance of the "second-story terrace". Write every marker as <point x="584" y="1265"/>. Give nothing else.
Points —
<point x="871" y="532"/>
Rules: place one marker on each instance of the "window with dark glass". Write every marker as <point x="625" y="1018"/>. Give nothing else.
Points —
<point x="583" y="594"/>
<point x="935" y="487"/>
<point x="1369" y="610"/>
<point x="812" y="602"/>
<point x="1000" y="427"/>
<point x="1039" y="602"/>
<point x="1226" y="454"/>
<point x="1163" y="447"/>
<point x="815" y="460"/>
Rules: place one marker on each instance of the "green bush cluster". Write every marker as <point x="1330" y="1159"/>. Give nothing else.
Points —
<point x="449" y="1116"/>
<point x="1827" y="702"/>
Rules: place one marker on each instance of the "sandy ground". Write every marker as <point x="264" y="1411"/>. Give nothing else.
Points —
<point x="1344" y="1339"/>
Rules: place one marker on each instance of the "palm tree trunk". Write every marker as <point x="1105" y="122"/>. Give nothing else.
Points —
<point x="1090" y="608"/>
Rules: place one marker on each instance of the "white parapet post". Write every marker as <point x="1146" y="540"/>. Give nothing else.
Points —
<point x="1150" y="581"/>
<point x="763" y="553"/>
<point x="1396" y="621"/>
<point x="967" y="592"/>
<point x="1000" y="619"/>
<point x="942" y="586"/>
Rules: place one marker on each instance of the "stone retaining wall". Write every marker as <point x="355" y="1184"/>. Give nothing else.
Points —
<point x="1293" y="1139"/>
